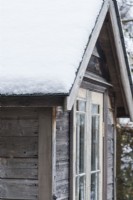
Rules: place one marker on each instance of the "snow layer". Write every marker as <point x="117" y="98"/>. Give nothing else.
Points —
<point x="42" y="43"/>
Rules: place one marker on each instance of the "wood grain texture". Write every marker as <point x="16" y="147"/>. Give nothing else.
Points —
<point x="22" y="189"/>
<point x="32" y="101"/>
<point x="45" y="154"/>
<point x="18" y="147"/>
<point x="19" y="154"/>
<point x="62" y="154"/>
<point x="62" y="172"/>
<point x="18" y="127"/>
<point x="14" y="168"/>
<point x="110" y="154"/>
<point x="62" y="188"/>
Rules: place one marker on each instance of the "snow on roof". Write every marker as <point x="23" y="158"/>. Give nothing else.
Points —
<point x="42" y="43"/>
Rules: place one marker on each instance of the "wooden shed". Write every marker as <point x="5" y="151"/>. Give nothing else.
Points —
<point x="61" y="145"/>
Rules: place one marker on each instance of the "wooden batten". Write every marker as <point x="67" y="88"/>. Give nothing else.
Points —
<point x="45" y="155"/>
<point x="54" y="152"/>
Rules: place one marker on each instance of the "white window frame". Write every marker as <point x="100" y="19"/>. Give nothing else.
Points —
<point x="96" y="98"/>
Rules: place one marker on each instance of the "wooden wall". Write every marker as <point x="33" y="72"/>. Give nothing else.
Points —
<point x="18" y="154"/>
<point x="110" y="154"/>
<point x="62" y="154"/>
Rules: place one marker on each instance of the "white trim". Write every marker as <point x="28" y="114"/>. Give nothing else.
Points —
<point x="97" y="98"/>
<point x="121" y="59"/>
<point x="95" y="33"/>
<point x="91" y="98"/>
<point x="73" y="157"/>
<point x="54" y="151"/>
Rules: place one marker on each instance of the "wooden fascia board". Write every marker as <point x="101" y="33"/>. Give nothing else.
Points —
<point x="69" y="101"/>
<point x="31" y="101"/>
<point x="121" y="59"/>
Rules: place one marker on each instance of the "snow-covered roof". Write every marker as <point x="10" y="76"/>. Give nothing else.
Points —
<point x="42" y="43"/>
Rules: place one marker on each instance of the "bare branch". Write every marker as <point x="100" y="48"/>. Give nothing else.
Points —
<point x="127" y="20"/>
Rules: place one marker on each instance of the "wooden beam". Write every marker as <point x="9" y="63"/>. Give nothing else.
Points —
<point x="127" y="20"/>
<point x="54" y="152"/>
<point x="45" y="154"/>
<point x="31" y="101"/>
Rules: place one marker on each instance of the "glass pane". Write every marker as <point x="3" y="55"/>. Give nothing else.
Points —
<point x="81" y="106"/>
<point x="82" y="188"/>
<point x="81" y="143"/>
<point x="77" y="188"/>
<point x="80" y="134"/>
<point x="95" y="109"/>
<point x="95" y="143"/>
<point x="94" y="186"/>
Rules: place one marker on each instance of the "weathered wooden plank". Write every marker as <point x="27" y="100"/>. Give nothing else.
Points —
<point x="110" y="161"/>
<point x="62" y="151"/>
<point x="110" y="192"/>
<point x="110" y="147"/>
<point x="110" y="176"/>
<point x="62" y="154"/>
<point x="62" y="135"/>
<point x="19" y="153"/>
<point x="15" y="113"/>
<point x="110" y="131"/>
<point x="62" y="171"/>
<point x="18" y="189"/>
<point x="32" y="101"/>
<point x="19" y="162"/>
<point x="62" y="141"/>
<point x="18" y="127"/>
<point x="19" y="168"/>
<point x="45" y="155"/>
<point x="54" y="151"/>
<point x="63" y="198"/>
<point x="18" y="147"/>
<point x="62" y="125"/>
<point x="92" y="86"/>
<point x="12" y="199"/>
<point x="62" y="188"/>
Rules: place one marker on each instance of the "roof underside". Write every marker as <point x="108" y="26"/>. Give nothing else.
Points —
<point x="42" y="43"/>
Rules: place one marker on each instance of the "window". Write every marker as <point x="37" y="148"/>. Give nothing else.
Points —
<point x="87" y="146"/>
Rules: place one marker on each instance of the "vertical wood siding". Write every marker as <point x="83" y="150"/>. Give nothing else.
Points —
<point x="62" y="154"/>
<point x="110" y="154"/>
<point x="18" y="154"/>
